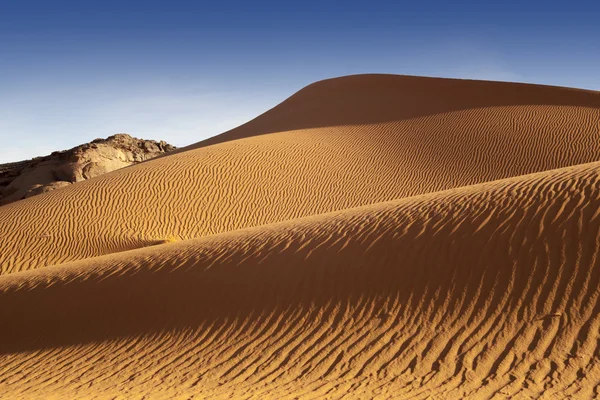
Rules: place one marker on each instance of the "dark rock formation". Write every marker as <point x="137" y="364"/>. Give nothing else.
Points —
<point x="61" y="168"/>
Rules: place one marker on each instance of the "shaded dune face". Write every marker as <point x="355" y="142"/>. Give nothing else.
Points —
<point x="417" y="139"/>
<point x="398" y="251"/>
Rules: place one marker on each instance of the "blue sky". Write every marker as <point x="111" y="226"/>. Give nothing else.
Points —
<point x="182" y="71"/>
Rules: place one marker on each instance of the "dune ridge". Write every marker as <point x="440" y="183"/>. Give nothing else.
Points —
<point x="378" y="98"/>
<point x="364" y="239"/>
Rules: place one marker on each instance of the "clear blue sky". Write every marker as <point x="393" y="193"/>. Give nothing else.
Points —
<point x="71" y="71"/>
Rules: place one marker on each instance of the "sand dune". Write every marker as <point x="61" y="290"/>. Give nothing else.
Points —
<point x="370" y="237"/>
<point x="440" y="294"/>
<point x="261" y="179"/>
<point x="376" y="99"/>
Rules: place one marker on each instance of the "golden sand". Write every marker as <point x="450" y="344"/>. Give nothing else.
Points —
<point x="372" y="236"/>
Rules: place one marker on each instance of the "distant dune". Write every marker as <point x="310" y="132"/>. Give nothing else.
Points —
<point x="373" y="236"/>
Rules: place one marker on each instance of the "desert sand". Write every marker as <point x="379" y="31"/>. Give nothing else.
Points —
<point x="373" y="236"/>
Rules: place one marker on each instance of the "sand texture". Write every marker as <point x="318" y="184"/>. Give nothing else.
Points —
<point x="372" y="236"/>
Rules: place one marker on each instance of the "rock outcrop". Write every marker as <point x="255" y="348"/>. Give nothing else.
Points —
<point x="61" y="168"/>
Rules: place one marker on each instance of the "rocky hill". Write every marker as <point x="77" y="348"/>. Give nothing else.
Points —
<point x="62" y="168"/>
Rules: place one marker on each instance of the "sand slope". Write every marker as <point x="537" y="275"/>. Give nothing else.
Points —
<point x="421" y="135"/>
<point x="484" y="291"/>
<point x="370" y="237"/>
